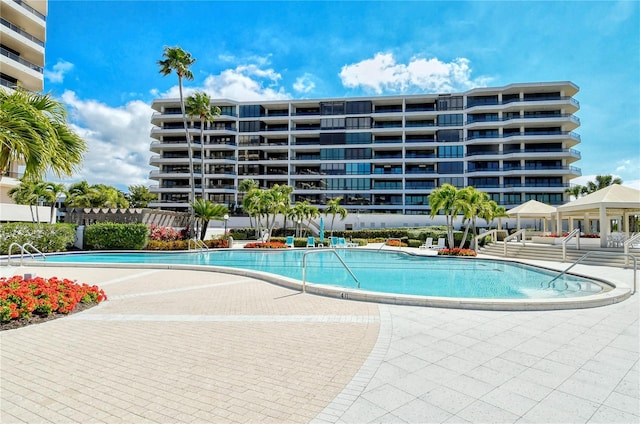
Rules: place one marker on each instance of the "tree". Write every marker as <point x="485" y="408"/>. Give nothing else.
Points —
<point x="576" y="191"/>
<point x="34" y="131"/>
<point x="205" y="211"/>
<point x="602" y="181"/>
<point x="52" y="191"/>
<point x="31" y="193"/>
<point x="178" y="61"/>
<point x="276" y="202"/>
<point x="298" y="213"/>
<point x="446" y="200"/>
<point x="199" y="104"/>
<point x="246" y="186"/>
<point x="139" y="196"/>
<point x="82" y="195"/>
<point x="472" y="203"/>
<point x="334" y="208"/>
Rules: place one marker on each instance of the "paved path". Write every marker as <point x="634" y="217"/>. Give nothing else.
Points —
<point x="189" y="346"/>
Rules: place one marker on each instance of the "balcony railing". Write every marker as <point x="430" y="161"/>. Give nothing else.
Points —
<point x="22" y="32"/>
<point x="510" y="118"/>
<point x="525" y="151"/>
<point x="31" y="9"/>
<point x="524" y="134"/>
<point x="13" y="56"/>
<point x="572" y="169"/>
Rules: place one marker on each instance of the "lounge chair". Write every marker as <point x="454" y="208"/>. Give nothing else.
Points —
<point x="311" y="242"/>
<point x="438" y="246"/>
<point x="333" y="242"/>
<point x="427" y="244"/>
<point x="289" y="241"/>
<point x="342" y="242"/>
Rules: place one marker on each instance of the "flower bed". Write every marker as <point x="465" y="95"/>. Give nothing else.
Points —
<point x="456" y="251"/>
<point x="22" y="299"/>
<point x="263" y="245"/>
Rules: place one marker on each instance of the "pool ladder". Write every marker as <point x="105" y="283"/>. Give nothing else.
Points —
<point x="304" y="266"/>
<point x="197" y="245"/>
<point x="24" y="249"/>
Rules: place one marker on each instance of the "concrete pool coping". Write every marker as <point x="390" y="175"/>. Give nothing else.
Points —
<point x="617" y="292"/>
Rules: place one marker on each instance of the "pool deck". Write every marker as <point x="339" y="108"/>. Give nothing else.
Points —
<point x="205" y="347"/>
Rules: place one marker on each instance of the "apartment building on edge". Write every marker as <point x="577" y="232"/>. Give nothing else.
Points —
<point x="381" y="154"/>
<point x="22" y="52"/>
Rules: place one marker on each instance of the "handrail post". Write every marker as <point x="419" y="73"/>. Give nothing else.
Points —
<point x="304" y="267"/>
<point x="627" y="245"/>
<point x="575" y="233"/>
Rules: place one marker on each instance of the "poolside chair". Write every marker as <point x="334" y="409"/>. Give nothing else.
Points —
<point x="289" y="241"/>
<point x="342" y="242"/>
<point x="427" y="244"/>
<point x="311" y="241"/>
<point x="333" y="242"/>
<point x="438" y="246"/>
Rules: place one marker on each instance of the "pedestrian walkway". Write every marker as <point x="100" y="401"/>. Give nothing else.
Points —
<point x="196" y="346"/>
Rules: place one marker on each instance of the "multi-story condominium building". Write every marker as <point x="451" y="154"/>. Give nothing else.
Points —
<point x="22" y="41"/>
<point x="381" y="154"/>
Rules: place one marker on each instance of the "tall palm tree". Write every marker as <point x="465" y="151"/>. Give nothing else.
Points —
<point x="52" y="191"/>
<point x="277" y="202"/>
<point x="34" y="131"/>
<point x="576" y="191"/>
<point x="334" y="208"/>
<point x="199" y="104"/>
<point x="473" y="202"/>
<point x="178" y="61"/>
<point x="446" y="200"/>
<point x="81" y="195"/>
<point x="205" y="211"/>
<point x="298" y="213"/>
<point x="311" y="213"/>
<point x="246" y="186"/>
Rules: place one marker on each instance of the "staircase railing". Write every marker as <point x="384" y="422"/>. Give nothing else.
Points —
<point x="519" y="233"/>
<point x="492" y="233"/>
<point x="24" y="249"/>
<point x="304" y="266"/>
<point x="575" y="233"/>
<point x="581" y="258"/>
<point x="634" y="239"/>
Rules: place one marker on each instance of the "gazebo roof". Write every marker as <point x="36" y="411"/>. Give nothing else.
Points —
<point x="614" y="196"/>
<point x="532" y="208"/>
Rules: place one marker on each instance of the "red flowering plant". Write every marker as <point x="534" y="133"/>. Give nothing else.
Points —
<point x="395" y="243"/>
<point x="20" y="298"/>
<point x="159" y="233"/>
<point x="267" y="245"/>
<point x="456" y="251"/>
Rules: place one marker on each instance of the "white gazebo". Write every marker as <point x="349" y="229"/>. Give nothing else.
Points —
<point x="614" y="201"/>
<point x="533" y="209"/>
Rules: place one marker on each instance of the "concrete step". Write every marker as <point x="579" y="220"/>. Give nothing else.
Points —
<point x="554" y="253"/>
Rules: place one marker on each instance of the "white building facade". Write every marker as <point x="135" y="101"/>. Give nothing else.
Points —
<point x="22" y="55"/>
<point x="382" y="155"/>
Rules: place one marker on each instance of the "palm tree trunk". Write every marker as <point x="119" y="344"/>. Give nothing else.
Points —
<point x="190" y="154"/>
<point x="202" y="156"/>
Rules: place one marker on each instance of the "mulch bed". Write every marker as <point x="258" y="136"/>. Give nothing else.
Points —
<point x="36" y="319"/>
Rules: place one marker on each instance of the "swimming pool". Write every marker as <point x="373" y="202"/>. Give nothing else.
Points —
<point x="395" y="273"/>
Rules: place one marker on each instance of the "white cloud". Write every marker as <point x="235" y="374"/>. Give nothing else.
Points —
<point x="244" y="83"/>
<point x="304" y="84"/>
<point x="383" y="74"/>
<point x="117" y="140"/>
<point x="60" y="69"/>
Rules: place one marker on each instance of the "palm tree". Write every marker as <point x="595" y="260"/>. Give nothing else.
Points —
<point x="199" y="104"/>
<point x="298" y="213"/>
<point x="334" y="208"/>
<point x="205" y="211"/>
<point x="52" y="191"/>
<point x="246" y="186"/>
<point x="446" y="200"/>
<point x="472" y="203"/>
<point x="34" y="131"/>
<point x="311" y="213"/>
<point x="178" y="61"/>
<point x="30" y="193"/>
<point x="576" y="191"/>
<point x="277" y="201"/>
<point x="81" y="195"/>
<point x="602" y="181"/>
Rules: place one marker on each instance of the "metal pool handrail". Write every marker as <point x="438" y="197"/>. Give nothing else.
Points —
<point x="627" y="244"/>
<point x="304" y="266"/>
<point x="515" y="235"/>
<point x="635" y="265"/>
<point x="23" y="250"/>
<point x="575" y="233"/>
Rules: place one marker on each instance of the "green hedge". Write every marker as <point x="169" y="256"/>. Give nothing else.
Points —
<point x="107" y="236"/>
<point x="45" y="237"/>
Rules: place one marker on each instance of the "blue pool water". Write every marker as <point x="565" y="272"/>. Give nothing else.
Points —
<point x="387" y="272"/>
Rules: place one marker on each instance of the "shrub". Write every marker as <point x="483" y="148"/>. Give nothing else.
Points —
<point x="457" y="252"/>
<point x="21" y="298"/>
<point x="159" y="233"/>
<point x="45" y="237"/>
<point x="116" y="236"/>
<point x="269" y="245"/>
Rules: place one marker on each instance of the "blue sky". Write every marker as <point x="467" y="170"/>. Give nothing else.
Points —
<point x="101" y="61"/>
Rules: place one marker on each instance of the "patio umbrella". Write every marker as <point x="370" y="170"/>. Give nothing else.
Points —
<point x="321" y="235"/>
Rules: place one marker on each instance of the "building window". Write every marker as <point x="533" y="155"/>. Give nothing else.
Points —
<point x="449" y="136"/>
<point x="251" y="111"/>
<point x="450" y="152"/>
<point x="454" y="181"/>
<point x="249" y="126"/>
<point x="332" y="138"/>
<point x="450" y="103"/>
<point x="358" y="138"/>
<point x="358" y="108"/>
<point x="451" y="120"/>
<point x="332" y="123"/>
<point x="358" y="123"/>
<point x="332" y="108"/>
<point x="451" y="167"/>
